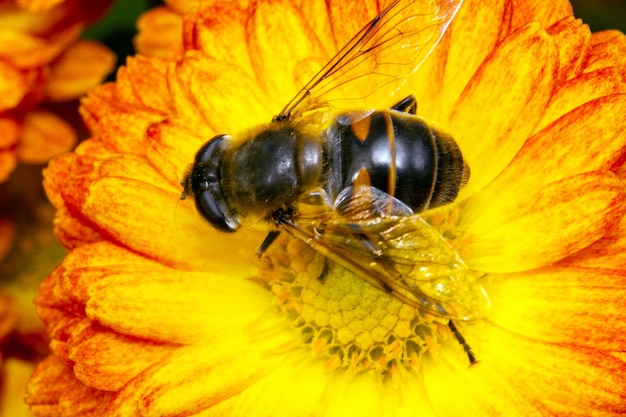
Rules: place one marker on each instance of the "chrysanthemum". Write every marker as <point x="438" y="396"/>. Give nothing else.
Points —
<point x="43" y="61"/>
<point x="153" y="313"/>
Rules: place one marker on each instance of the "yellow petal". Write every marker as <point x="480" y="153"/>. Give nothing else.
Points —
<point x="590" y="137"/>
<point x="469" y="47"/>
<point x="581" y="90"/>
<point x="568" y="215"/>
<point x="572" y="306"/>
<point x="191" y="304"/>
<point x="288" y="40"/>
<point x="524" y="66"/>
<point x="518" y="376"/>
<point x="197" y="377"/>
<point x="13" y="86"/>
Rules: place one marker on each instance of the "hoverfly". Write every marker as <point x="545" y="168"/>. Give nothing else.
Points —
<point x="348" y="182"/>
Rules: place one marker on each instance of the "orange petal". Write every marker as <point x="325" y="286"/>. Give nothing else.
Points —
<point x="24" y="50"/>
<point x="572" y="38"/>
<point x="143" y="81"/>
<point x="219" y="31"/>
<point x="583" y="89"/>
<point x="38" y="5"/>
<point x="542" y="226"/>
<point x="197" y="377"/>
<point x="8" y="162"/>
<point x="607" y="49"/>
<point x="590" y="137"/>
<point x="192" y="304"/>
<point x="13" y="86"/>
<point x="101" y="356"/>
<point x="545" y="13"/>
<point x="81" y="67"/>
<point x="159" y="34"/>
<point x="44" y="135"/>
<point x="11" y="130"/>
<point x="572" y="306"/>
<point x="54" y="391"/>
<point x="469" y="47"/>
<point x="524" y="66"/>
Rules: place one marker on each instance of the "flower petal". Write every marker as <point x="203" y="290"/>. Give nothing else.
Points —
<point x="44" y="135"/>
<point x="287" y="38"/>
<point x="569" y="215"/>
<point x="79" y="68"/>
<point x="197" y="377"/>
<point x="469" y="47"/>
<point x="517" y="376"/>
<point x="101" y="356"/>
<point x="590" y="137"/>
<point x="572" y="306"/>
<point x="525" y="66"/>
<point x="54" y="391"/>
<point x="572" y="38"/>
<point x="191" y="304"/>
<point x="13" y="86"/>
<point x="159" y="34"/>
<point x="581" y="90"/>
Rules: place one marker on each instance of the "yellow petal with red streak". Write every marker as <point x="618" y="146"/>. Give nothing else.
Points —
<point x="197" y="377"/>
<point x="469" y="47"/>
<point x="590" y="137"/>
<point x="573" y="38"/>
<point x="583" y="89"/>
<point x="572" y="306"/>
<point x="174" y="306"/>
<point x="101" y="356"/>
<point x="542" y="226"/>
<point x="491" y="127"/>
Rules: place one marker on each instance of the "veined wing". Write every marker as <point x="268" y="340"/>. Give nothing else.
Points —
<point x="380" y="57"/>
<point x="370" y="234"/>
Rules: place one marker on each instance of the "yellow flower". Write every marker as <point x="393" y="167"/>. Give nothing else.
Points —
<point x="43" y="61"/>
<point x="153" y="313"/>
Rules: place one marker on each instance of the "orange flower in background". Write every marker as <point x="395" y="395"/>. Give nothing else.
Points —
<point x="42" y="61"/>
<point x="153" y="313"/>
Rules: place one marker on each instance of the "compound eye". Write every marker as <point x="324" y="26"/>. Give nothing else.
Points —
<point x="211" y="148"/>
<point x="215" y="210"/>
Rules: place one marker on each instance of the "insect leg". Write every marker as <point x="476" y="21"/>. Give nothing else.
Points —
<point x="406" y="105"/>
<point x="267" y="242"/>
<point x="466" y="347"/>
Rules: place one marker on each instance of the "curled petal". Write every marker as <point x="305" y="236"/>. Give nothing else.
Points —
<point x="159" y="33"/>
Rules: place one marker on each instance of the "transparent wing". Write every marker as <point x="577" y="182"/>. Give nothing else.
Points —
<point x="374" y="236"/>
<point x="380" y="57"/>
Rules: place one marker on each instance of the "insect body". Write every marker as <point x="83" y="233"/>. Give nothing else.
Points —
<point x="348" y="182"/>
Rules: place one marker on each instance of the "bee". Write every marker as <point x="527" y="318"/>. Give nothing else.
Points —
<point x="350" y="182"/>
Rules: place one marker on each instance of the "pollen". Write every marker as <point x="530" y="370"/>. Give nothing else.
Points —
<point x="342" y="319"/>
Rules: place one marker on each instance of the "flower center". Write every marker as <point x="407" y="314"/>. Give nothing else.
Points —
<point x="352" y="324"/>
